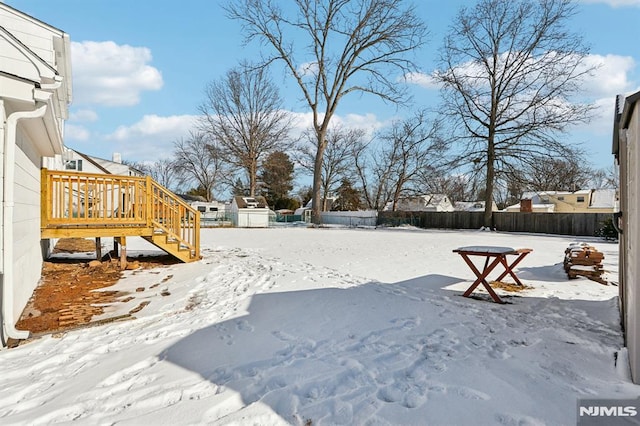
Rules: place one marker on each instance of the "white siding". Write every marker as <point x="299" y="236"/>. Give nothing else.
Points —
<point x="631" y="239"/>
<point x="32" y="33"/>
<point x="16" y="63"/>
<point x="27" y="255"/>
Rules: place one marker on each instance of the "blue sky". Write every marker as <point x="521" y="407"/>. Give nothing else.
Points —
<point x="140" y="69"/>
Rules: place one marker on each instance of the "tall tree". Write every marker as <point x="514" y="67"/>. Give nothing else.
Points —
<point x="509" y="70"/>
<point x="338" y="158"/>
<point x="243" y="112"/>
<point x="277" y="177"/>
<point x="198" y="162"/>
<point x="333" y="48"/>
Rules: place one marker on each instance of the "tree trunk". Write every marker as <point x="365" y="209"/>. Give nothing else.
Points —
<point x="316" y="203"/>
<point x="488" y="194"/>
<point x="253" y="170"/>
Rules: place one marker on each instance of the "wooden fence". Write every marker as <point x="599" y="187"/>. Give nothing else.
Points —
<point x="583" y="224"/>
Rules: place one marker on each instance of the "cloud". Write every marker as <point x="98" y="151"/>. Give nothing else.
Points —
<point x="611" y="76"/>
<point x="76" y="133"/>
<point x="420" y="79"/>
<point x="369" y="122"/>
<point x="84" y="115"/>
<point x="308" y="69"/>
<point x="105" y="73"/>
<point x="151" y="138"/>
<point x="615" y="3"/>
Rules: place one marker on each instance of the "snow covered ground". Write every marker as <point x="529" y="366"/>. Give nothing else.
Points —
<point x="332" y="326"/>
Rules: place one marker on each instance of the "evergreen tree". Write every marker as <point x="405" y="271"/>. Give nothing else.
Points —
<point x="276" y="178"/>
<point x="349" y="198"/>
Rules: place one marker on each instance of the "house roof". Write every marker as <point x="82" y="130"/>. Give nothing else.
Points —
<point x="92" y="161"/>
<point x="26" y="15"/>
<point x="603" y="198"/>
<point x="191" y="198"/>
<point x="623" y="112"/>
<point x="257" y="202"/>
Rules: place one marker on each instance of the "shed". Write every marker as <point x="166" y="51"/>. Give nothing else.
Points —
<point x="249" y="212"/>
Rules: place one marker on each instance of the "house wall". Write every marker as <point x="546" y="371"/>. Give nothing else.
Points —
<point x="27" y="251"/>
<point x="32" y="33"/>
<point x="569" y="202"/>
<point x="251" y="218"/>
<point x="630" y="192"/>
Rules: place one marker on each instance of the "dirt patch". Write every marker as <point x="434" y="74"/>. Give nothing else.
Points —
<point x="72" y="291"/>
<point x="509" y="286"/>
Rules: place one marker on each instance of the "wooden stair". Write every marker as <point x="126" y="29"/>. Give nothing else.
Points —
<point x="94" y="205"/>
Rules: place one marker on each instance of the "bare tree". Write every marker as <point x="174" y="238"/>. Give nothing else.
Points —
<point x="243" y="113"/>
<point x="197" y="160"/>
<point x="409" y="149"/>
<point x="550" y="174"/>
<point x="337" y="163"/>
<point x="164" y="172"/>
<point x="333" y="48"/>
<point x="458" y="187"/>
<point x="509" y="70"/>
<point x="605" y="178"/>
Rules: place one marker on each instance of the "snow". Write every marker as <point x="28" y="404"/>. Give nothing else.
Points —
<point x="486" y="249"/>
<point x="333" y="326"/>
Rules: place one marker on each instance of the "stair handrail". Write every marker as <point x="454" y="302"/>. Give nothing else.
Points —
<point x="173" y="216"/>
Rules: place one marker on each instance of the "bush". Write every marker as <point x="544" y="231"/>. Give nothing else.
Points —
<point x="607" y="230"/>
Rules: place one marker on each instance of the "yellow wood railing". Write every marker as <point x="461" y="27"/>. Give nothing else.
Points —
<point x="89" y="200"/>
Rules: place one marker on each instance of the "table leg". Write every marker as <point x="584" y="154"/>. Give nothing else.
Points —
<point x="482" y="277"/>
<point x="508" y="269"/>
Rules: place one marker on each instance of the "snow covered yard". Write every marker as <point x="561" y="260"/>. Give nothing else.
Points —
<point x="332" y="326"/>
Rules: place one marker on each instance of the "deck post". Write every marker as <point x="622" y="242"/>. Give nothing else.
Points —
<point x="98" y="249"/>
<point x="123" y="251"/>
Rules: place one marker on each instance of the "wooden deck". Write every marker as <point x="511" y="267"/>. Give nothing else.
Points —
<point x="89" y="205"/>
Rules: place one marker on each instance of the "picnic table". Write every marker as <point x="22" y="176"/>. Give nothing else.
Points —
<point x="499" y="255"/>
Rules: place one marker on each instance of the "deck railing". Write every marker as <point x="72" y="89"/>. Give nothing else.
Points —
<point x="102" y="201"/>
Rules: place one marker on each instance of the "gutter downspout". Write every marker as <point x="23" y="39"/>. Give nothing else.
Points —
<point x="7" y="224"/>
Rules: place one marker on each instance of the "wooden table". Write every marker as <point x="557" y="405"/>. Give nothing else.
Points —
<point x="499" y="255"/>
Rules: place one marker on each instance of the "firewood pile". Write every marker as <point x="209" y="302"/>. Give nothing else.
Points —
<point x="583" y="260"/>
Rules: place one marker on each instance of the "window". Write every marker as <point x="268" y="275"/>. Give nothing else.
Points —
<point x="560" y="198"/>
<point x="213" y="209"/>
<point x="73" y="165"/>
<point x="580" y="199"/>
<point x="202" y="209"/>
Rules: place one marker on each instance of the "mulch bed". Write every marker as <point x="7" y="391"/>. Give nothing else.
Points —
<point x="67" y="295"/>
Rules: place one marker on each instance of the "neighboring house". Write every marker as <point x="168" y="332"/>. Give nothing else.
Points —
<point x="583" y="201"/>
<point x="423" y="203"/>
<point x="77" y="161"/>
<point x="472" y="206"/>
<point x="249" y="212"/>
<point x="35" y="92"/>
<point x="209" y="210"/>
<point x="626" y="138"/>
<point x="305" y="212"/>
